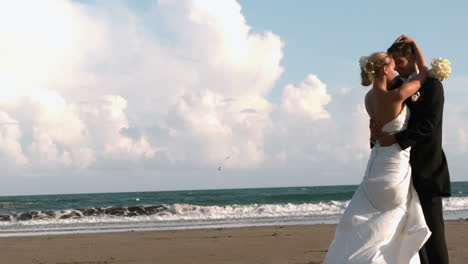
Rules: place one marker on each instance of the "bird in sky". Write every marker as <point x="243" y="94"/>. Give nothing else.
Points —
<point x="220" y="167"/>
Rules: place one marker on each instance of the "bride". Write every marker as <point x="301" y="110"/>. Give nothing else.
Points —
<point x="384" y="222"/>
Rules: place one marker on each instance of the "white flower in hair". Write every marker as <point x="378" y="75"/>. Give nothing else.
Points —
<point x="364" y="63"/>
<point x="441" y="69"/>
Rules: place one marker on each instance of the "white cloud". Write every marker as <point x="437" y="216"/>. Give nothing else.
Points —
<point x="456" y="115"/>
<point x="206" y="127"/>
<point x="186" y="90"/>
<point x="10" y="133"/>
<point x="194" y="97"/>
<point x="55" y="133"/>
<point x="463" y="140"/>
<point x="307" y="99"/>
<point x="308" y="135"/>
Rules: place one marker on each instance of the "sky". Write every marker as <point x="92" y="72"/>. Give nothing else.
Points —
<point x="151" y="95"/>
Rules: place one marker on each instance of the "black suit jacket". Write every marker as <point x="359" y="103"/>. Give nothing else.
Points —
<point x="424" y="135"/>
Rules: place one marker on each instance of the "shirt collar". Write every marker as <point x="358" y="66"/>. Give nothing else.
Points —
<point x="410" y="77"/>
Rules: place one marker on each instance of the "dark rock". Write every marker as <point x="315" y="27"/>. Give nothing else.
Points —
<point x="24" y="216"/>
<point x="119" y="211"/>
<point x="35" y="215"/>
<point x="137" y="209"/>
<point x="84" y="212"/>
<point x="154" y="209"/>
<point x="50" y="214"/>
<point x="89" y="211"/>
<point x="4" y="218"/>
<point x="72" y="214"/>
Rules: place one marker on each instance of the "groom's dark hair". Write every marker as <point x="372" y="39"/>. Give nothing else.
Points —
<point x="404" y="48"/>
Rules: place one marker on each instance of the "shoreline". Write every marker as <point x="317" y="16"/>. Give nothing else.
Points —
<point x="156" y="228"/>
<point x="298" y="244"/>
<point x="160" y="228"/>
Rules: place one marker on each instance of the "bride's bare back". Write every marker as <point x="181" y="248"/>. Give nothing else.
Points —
<point x="381" y="107"/>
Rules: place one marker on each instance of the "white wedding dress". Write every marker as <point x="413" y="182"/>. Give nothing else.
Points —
<point x="383" y="222"/>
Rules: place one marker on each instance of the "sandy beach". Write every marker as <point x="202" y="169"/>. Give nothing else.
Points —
<point x="269" y="245"/>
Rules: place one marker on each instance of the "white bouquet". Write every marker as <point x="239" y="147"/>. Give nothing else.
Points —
<point x="441" y="69"/>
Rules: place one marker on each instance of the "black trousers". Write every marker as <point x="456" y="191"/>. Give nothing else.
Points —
<point x="435" y="249"/>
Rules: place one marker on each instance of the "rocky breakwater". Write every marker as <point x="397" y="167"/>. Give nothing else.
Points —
<point x="121" y="211"/>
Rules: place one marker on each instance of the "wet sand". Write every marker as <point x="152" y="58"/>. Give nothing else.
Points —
<point x="273" y="244"/>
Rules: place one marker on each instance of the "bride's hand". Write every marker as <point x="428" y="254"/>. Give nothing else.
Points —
<point x="404" y="39"/>
<point x="387" y="139"/>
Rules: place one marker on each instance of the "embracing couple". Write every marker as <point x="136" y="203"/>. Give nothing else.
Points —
<point x="395" y="216"/>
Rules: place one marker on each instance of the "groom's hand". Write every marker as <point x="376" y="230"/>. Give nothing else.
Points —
<point x="387" y="140"/>
<point x="375" y="128"/>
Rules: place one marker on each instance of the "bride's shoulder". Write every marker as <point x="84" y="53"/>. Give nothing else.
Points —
<point x="368" y="96"/>
<point x="367" y="100"/>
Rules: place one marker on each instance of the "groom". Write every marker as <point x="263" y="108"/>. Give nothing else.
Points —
<point x="430" y="173"/>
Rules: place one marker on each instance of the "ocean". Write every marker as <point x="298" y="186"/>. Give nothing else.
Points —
<point x="173" y="210"/>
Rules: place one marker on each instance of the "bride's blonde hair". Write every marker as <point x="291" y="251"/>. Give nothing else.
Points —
<point x="371" y="66"/>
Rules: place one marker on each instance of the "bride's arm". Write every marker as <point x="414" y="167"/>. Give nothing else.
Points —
<point x="411" y="87"/>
